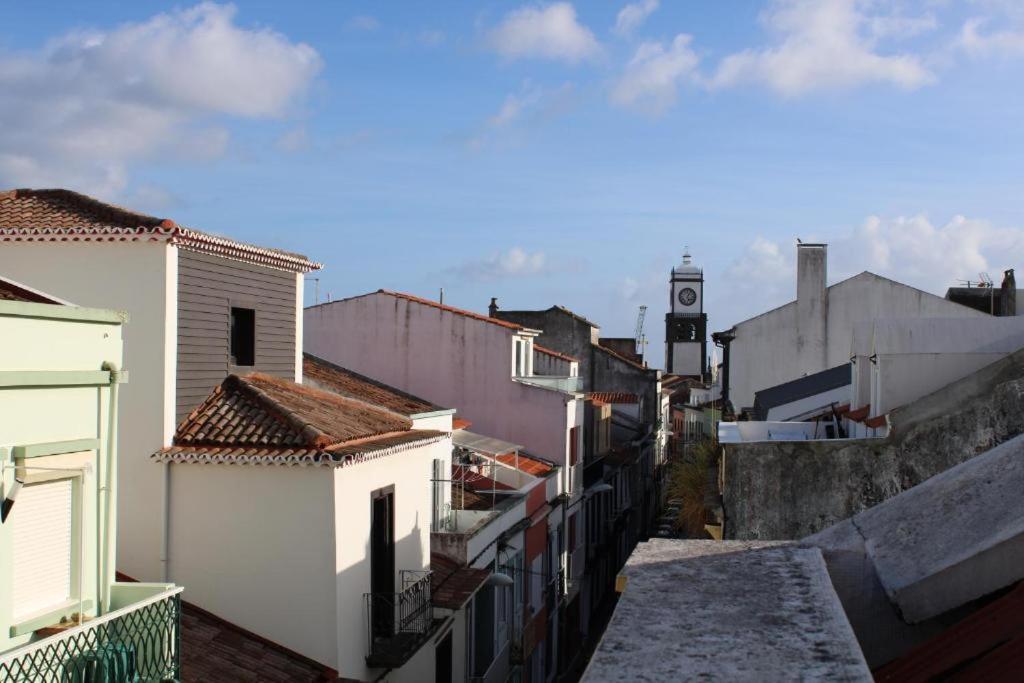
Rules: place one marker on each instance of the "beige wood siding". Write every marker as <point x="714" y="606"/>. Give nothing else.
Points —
<point x="208" y="286"/>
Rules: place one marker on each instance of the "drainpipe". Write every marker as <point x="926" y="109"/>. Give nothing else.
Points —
<point x="165" y="554"/>
<point x="106" y="479"/>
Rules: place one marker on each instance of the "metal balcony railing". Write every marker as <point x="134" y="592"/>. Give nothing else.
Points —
<point x="399" y="623"/>
<point x="139" y="642"/>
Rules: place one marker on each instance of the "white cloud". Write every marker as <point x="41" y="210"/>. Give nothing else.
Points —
<point x="515" y="262"/>
<point x="293" y="140"/>
<point x="909" y="249"/>
<point x="652" y="78"/>
<point x="632" y="16"/>
<point x="83" y="109"/>
<point x="828" y="45"/>
<point x="544" y="32"/>
<point x="977" y="42"/>
<point x="362" y="23"/>
<point x="522" y="111"/>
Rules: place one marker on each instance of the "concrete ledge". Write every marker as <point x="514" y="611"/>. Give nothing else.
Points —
<point x="955" y="537"/>
<point x="737" y="611"/>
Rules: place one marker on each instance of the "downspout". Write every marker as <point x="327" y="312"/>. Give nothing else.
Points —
<point x="165" y="554"/>
<point x="105" y="557"/>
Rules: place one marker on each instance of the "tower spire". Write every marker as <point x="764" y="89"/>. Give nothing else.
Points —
<point x="686" y="255"/>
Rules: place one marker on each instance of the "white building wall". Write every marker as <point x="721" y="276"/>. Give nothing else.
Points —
<point x="255" y="545"/>
<point x="410" y="473"/>
<point x="765" y="352"/>
<point x="95" y="274"/>
<point x="446" y="358"/>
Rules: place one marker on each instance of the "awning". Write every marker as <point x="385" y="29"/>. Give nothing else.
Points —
<point x="483" y="444"/>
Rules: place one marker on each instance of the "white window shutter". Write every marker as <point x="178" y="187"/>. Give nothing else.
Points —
<point x="42" y="527"/>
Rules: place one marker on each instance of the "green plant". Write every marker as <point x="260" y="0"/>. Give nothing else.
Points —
<point x="689" y="482"/>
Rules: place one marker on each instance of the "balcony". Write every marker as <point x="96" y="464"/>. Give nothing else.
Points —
<point x="138" y="640"/>
<point x="568" y="385"/>
<point x="398" y="624"/>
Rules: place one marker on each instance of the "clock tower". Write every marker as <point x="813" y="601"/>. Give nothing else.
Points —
<point x="686" y="346"/>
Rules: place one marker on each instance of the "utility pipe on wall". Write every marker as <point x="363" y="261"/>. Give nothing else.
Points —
<point x="109" y="480"/>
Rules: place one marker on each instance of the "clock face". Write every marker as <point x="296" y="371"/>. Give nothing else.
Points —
<point x="687" y="296"/>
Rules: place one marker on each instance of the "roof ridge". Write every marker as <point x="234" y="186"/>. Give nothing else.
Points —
<point x="451" y="309"/>
<point x="369" y="380"/>
<point x="315" y="438"/>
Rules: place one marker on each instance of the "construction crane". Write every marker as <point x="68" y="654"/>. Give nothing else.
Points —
<point x="638" y="336"/>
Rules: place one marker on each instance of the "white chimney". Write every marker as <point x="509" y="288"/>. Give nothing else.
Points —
<point x="811" y="307"/>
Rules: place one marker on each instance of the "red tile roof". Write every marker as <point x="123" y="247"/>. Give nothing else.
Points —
<point x="986" y="646"/>
<point x="464" y="498"/>
<point x="213" y="649"/>
<point x="66" y="216"/>
<point x="534" y="466"/>
<point x="326" y="375"/>
<point x="262" y="418"/>
<point x="460" y="423"/>
<point x="556" y="354"/>
<point x="859" y="414"/>
<point x="476" y="481"/>
<point x="12" y="291"/>
<point x="451" y="584"/>
<point x="612" y="397"/>
<point x="434" y="304"/>
<point x="528" y="464"/>
<point x="876" y="422"/>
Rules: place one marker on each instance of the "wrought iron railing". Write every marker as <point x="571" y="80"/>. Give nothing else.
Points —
<point x="397" y="622"/>
<point x="137" y="643"/>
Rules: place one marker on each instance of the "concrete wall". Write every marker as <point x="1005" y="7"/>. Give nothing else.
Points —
<point x="767" y="349"/>
<point x="790" y="490"/>
<point x="448" y="359"/>
<point x="33" y="415"/>
<point x="141" y="278"/>
<point x="255" y="545"/>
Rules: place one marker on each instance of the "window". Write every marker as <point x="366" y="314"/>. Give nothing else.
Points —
<point x="243" y="336"/>
<point x="42" y="546"/>
<point x="519" y="358"/>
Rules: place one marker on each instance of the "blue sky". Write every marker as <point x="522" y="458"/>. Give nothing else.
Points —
<point x="542" y="152"/>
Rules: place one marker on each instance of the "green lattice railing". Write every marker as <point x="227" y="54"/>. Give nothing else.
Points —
<point x="135" y="644"/>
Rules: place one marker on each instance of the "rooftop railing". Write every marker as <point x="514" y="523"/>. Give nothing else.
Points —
<point x="137" y="642"/>
<point x="399" y="623"/>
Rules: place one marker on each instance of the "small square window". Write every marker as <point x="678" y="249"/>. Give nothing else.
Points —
<point x="243" y="336"/>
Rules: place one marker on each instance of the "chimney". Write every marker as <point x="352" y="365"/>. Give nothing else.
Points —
<point x="811" y="307"/>
<point x="492" y="310"/>
<point x="1008" y="294"/>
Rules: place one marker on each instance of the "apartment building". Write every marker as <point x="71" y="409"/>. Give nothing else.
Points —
<point x="202" y="306"/>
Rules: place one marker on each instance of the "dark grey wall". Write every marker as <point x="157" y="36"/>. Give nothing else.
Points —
<point x="559" y="332"/>
<point x="208" y="286"/>
<point x="600" y="371"/>
<point x="784" y="491"/>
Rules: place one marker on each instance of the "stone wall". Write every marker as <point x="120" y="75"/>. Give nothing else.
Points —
<point x="781" y="491"/>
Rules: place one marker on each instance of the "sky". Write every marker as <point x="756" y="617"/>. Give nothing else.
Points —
<point x="542" y="152"/>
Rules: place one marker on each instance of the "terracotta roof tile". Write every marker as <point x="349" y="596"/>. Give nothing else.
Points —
<point x="556" y="354"/>
<point x="256" y="418"/>
<point x="461" y="423"/>
<point x="476" y="481"/>
<point x="464" y="498"/>
<point x="64" y="216"/>
<point x="331" y="377"/>
<point x="261" y="411"/>
<point x="213" y="649"/>
<point x="612" y="397"/>
<point x="451" y="584"/>
<point x="525" y="463"/>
